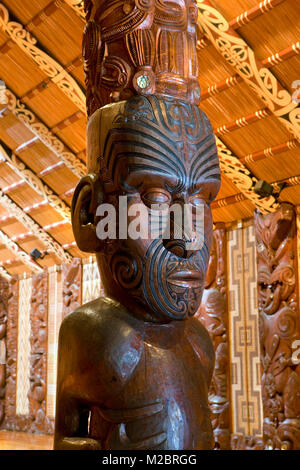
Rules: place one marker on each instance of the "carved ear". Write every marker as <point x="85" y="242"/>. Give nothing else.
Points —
<point x="87" y="197"/>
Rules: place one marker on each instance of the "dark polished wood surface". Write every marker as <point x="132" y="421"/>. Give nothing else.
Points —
<point x="134" y="367"/>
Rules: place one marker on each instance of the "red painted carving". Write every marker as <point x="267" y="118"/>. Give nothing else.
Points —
<point x="71" y="281"/>
<point x="279" y="326"/>
<point x="3" y="329"/>
<point x="140" y="47"/>
<point x="214" y="315"/>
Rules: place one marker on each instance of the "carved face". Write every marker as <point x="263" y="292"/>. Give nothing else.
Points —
<point x="158" y="152"/>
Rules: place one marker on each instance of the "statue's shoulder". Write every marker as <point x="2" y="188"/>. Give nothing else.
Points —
<point x="103" y="319"/>
<point x="201" y="342"/>
<point x="103" y="336"/>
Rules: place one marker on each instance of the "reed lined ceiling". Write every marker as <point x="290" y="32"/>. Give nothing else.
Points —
<point x="58" y="28"/>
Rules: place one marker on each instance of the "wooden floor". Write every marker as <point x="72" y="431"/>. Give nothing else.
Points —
<point x="24" y="441"/>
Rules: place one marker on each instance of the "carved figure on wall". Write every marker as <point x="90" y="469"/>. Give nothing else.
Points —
<point x="71" y="281"/>
<point x="134" y="367"/>
<point x="3" y="329"/>
<point x="38" y="370"/>
<point x="214" y="316"/>
<point x="279" y="326"/>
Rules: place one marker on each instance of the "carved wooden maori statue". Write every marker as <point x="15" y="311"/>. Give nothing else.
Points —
<point x="134" y="367"/>
<point x="3" y="329"/>
<point x="214" y="316"/>
<point x="279" y="326"/>
<point x="71" y="282"/>
<point x="38" y="362"/>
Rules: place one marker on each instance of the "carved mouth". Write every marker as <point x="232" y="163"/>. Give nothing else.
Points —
<point x="185" y="278"/>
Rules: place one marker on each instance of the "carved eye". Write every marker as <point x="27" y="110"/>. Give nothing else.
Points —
<point x="156" y="197"/>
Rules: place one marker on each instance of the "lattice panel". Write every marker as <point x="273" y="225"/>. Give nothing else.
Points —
<point x="54" y="321"/>
<point x="91" y="282"/>
<point x="244" y="336"/>
<point x="23" y="354"/>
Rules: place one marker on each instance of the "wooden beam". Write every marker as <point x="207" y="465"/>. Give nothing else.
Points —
<point x="4" y="273"/>
<point x="270" y="152"/>
<point x="19" y="253"/>
<point x="18" y="213"/>
<point x="38" y="128"/>
<point x="51" y="67"/>
<point x="233" y="80"/>
<point x="255" y="12"/>
<point x="243" y="122"/>
<point x="35" y="182"/>
<point x="239" y="55"/>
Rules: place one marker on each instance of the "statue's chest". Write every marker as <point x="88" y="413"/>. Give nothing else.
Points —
<point x="167" y="393"/>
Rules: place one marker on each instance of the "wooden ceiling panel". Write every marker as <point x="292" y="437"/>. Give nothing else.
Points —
<point x="273" y="31"/>
<point x="61" y="180"/>
<point x="69" y="34"/>
<point x="233" y="212"/>
<point x="19" y="71"/>
<point x="25" y="196"/>
<point x="38" y="157"/>
<point x="278" y="167"/>
<point x="64" y="235"/>
<point x="212" y="67"/>
<point x="46" y="215"/>
<point x="12" y="132"/>
<point x="288" y="72"/>
<point x="51" y="105"/>
<point x="291" y="195"/>
<point x="232" y="8"/>
<point x="26" y="10"/>
<point x="227" y="188"/>
<point x="74" y="135"/>
<point x="267" y="132"/>
<point x="7" y="176"/>
<point x="13" y="227"/>
<point x="232" y="104"/>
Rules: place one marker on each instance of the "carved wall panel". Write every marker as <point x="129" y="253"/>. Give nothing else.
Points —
<point x="3" y="329"/>
<point x="55" y="300"/>
<point x="214" y="315"/>
<point x="71" y="280"/>
<point x="246" y="404"/>
<point x="24" y="347"/>
<point x="279" y="326"/>
<point x="38" y="339"/>
<point x="11" y="354"/>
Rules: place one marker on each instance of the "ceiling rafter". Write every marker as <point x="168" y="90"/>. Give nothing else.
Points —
<point x="229" y="82"/>
<point x="239" y="55"/>
<point x="38" y="128"/>
<point x="78" y="7"/>
<point x="39" y="232"/>
<point x="243" y="122"/>
<point x="229" y="200"/>
<point x="19" y="253"/>
<point x="270" y="151"/>
<point x="51" y="67"/>
<point x="24" y="172"/>
<point x="255" y="12"/>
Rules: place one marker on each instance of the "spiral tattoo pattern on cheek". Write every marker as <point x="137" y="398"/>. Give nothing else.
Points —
<point x="162" y="296"/>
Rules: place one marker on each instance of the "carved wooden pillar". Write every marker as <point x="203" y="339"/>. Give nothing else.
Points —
<point x="11" y="353"/>
<point x="71" y="281"/>
<point x="279" y="326"/>
<point x="38" y="340"/>
<point x="214" y="315"/>
<point x="3" y="329"/>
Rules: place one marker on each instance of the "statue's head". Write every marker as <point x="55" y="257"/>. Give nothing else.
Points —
<point x="146" y="152"/>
